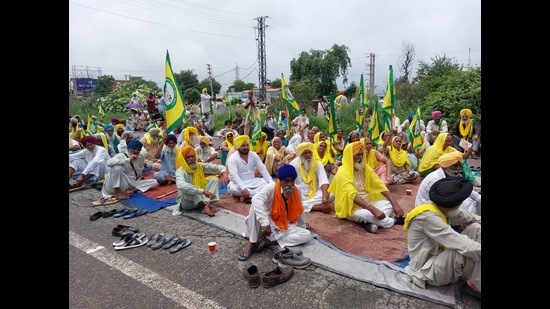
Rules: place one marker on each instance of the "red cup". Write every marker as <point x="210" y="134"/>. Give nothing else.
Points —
<point x="212" y="246"/>
<point x="409" y="192"/>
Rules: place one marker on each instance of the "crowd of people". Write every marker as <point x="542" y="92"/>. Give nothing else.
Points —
<point x="288" y="172"/>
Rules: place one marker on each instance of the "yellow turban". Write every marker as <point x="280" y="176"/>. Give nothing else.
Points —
<point x="239" y="140"/>
<point x="205" y="139"/>
<point x="449" y="159"/>
<point x="185" y="150"/>
<point x="303" y="147"/>
<point x="466" y="112"/>
<point x="119" y="126"/>
<point x="204" y="90"/>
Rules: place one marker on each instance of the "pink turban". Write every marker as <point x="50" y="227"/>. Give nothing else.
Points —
<point x="436" y="114"/>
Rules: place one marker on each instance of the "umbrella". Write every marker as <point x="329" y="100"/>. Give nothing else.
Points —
<point x="133" y="105"/>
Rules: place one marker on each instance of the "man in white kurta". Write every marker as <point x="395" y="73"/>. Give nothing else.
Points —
<point x="206" y="100"/>
<point x="450" y="164"/>
<point x="124" y="178"/>
<point x="241" y="165"/>
<point x="439" y="255"/>
<point x="90" y="162"/>
<point x="195" y="190"/>
<point x="312" y="180"/>
<point x="276" y="216"/>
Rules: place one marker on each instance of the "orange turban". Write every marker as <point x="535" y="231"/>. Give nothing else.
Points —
<point x="357" y="146"/>
<point x="185" y="150"/>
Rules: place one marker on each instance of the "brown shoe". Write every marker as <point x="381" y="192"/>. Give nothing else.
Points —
<point x="251" y="274"/>
<point x="276" y="276"/>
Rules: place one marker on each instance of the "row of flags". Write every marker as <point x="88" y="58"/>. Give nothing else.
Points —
<point x="381" y="120"/>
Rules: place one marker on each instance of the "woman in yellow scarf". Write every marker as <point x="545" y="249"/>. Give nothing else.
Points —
<point x="360" y="195"/>
<point x="402" y="168"/>
<point x="261" y="146"/>
<point x="227" y="144"/>
<point x="441" y="146"/>
<point x="322" y="154"/>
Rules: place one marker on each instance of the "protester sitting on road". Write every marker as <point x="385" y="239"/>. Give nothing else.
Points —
<point x="438" y="254"/>
<point x="468" y="129"/>
<point x="381" y="164"/>
<point x="450" y="164"/>
<point x="152" y="140"/>
<point x="402" y="171"/>
<point x="277" y="155"/>
<point x="276" y="216"/>
<point x="261" y="146"/>
<point x="167" y="157"/>
<point x="125" y="138"/>
<point x="74" y="145"/>
<point x="90" y="162"/>
<point x="194" y="189"/>
<point x="241" y="165"/>
<point x="205" y="152"/>
<point x="361" y="195"/>
<point x="226" y="145"/>
<point x="322" y="155"/>
<point x="312" y="180"/>
<point x="435" y="126"/>
<point x="125" y="176"/>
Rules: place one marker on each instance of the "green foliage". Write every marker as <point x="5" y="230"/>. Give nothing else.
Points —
<point x="239" y="86"/>
<point x="192" y="96"/>
<point x="187" y="79"/>
<point x="105" y="85"/>
<point x="276" y="83"/>
<point x="321" y="68"/>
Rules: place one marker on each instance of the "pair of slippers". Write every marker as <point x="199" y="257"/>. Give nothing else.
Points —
<point x="130" y="213"/>
<point x="174" y="243"/>
<point x="103" y="214"/>
<point x="120" y="229"/>
<point x="105" y="201"/>
<point x="130" y="240"/>
<point x="245" y="253"/>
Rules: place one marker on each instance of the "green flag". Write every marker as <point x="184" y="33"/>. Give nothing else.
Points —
<point x="414" y="130"/>
<point x="287" y="96"/>
<point x="175" y="109"/>
<point x="332" y="126"/>
<point x="386" y="111"/>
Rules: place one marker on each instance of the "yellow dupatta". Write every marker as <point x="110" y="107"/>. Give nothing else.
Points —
<point x="398" y="156"/>
<point x="420" y="209"/>
<point x="199" y="180"/>
<point x="310" y="177"/>
<point x="434" y="152"/>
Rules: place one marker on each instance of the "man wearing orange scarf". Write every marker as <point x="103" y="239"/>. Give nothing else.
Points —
<point x="276" y="216"/>
<point x="468" y="129"/>
<point x="194" y="189"/>
<point x="312" y="180"/>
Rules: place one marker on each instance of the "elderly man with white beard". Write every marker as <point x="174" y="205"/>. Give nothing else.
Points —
<point x="167" y="157"/>
<point x="276" y="216"/>
<point x="194" y="189"/>
<point x="312" y="180"/>
<point x="360" y="195"/>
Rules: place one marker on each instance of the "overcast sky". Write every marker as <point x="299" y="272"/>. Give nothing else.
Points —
<point x="131" y="37"/>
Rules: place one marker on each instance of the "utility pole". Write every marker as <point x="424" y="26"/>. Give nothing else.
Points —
<point x="209" y="67"/>
<point x="262" y="79"/>
<point x="371" y="75"/>
<point x="237" y="71"/>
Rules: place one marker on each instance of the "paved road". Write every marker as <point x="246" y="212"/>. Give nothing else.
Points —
<point x="101" y="277"/>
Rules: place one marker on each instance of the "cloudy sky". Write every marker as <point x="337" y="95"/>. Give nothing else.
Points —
<point x="131" y="37"/>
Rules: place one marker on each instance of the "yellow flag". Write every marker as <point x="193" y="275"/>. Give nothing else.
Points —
<point x="287" y="96"/>
<point x="175" y="109"/>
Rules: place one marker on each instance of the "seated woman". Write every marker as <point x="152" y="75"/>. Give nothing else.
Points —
<point x="402" y="169"/>
<point x="442" y="145"/>
<point x="339" y="143"/>
<point x="261" y="146"/>
<point x="320" y="153"/>
<point x="227" y="144"/>
<point x="277" y="155"/>
<point x="416" y="154"/>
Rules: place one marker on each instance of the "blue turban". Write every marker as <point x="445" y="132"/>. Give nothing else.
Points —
<point x="135" y="144"/>
<point x="108" y="127"/>
<point x="287" y="171"/>
<point x="410" y="117"/>
<point x="171" y="137"/>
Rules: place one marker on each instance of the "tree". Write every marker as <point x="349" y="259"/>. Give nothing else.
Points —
<point x="187" y="79"/>
<point x="322" y="68"/>
<point x="192" y="95"/>
<point x="105" y="85"/>
<point x="239" y="85"/>
<point x="406" y="60"/>
<point x="205" y="83"/>
<point x="276" y="83"/>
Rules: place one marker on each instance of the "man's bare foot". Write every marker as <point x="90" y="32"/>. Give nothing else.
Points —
<point x="122" y="195"/>
<point x="129" y="192"/>
<point x="214" y="209"/>
<point x="207" y="210"/>
<point x="237" y="199"/>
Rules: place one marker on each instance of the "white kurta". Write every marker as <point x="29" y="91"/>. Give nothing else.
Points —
<point x="322" y="179"/>
<point x="189" y="196"/>
<point x="90" y="162"/>
<point x="241" y="174"/>
<point x="123" y="176"/>
<point x="258" y="216"/>
<point x="471" y="203"/>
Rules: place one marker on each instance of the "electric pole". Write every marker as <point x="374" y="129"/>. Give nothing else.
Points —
<point x="262" y="80"/>
<point x="209" y="67"/>
<point x="371" y="75"/>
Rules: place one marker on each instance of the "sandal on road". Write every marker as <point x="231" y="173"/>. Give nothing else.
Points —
<point x="244" y="253"/>
<point x="134" y="242"/>
<point x="105" y="201"/>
